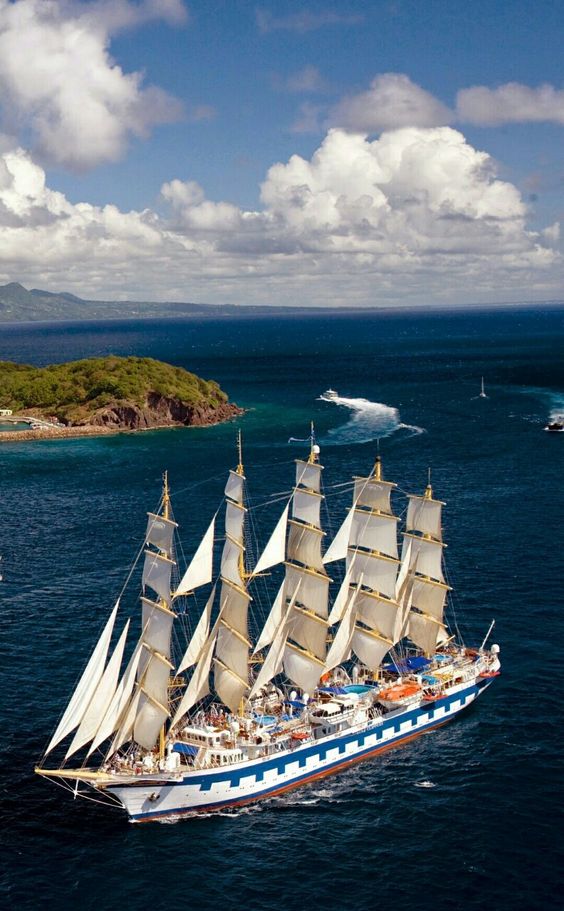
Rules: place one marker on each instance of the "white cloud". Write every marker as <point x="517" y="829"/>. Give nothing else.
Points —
<point x="58" y="79"/>
<point x="392" y="101"/>
<point x="510" y="103"/>
<point x="417" y="215"/>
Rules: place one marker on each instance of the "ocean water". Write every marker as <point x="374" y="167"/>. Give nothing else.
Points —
<point x="464" y="817"/>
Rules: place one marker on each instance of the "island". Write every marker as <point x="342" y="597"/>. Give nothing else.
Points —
<point x="105" y="395"/>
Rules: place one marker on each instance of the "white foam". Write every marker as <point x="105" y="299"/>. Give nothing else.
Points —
<point x="368" y="421"/>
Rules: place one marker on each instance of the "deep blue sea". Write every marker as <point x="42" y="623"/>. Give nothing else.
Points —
<point x="484" y="831"/>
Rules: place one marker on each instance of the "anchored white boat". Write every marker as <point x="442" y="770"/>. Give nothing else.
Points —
<point x="328" y="682"/>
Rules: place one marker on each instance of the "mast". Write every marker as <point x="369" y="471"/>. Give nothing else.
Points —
<point x="306" y="583"/>
<point x="232" y="647"/>
<point x="153" y="672"/>
<point x="372" y="613"/>
<point x="423" y="537"/>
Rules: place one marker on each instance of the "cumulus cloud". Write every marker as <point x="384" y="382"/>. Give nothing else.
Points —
<point x="303" y="21"/>
<point x="417" y="214"/>
<point x="510" y="103"/>
<point x="392" y="101"/>
<point x="58" y="79"/>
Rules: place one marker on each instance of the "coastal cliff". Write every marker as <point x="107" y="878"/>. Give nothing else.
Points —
<point x="109" y="394"/>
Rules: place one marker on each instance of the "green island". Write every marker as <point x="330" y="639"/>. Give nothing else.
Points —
<point x="107" y="394"/>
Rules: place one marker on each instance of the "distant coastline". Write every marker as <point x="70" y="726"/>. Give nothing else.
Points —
<point x="18" y="305"/>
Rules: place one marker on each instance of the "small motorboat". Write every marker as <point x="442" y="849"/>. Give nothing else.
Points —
<point x="330" y="394"/>
<point x="556" y="426"/>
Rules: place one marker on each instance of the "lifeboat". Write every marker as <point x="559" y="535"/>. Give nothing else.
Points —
<point x="400" y="694"/>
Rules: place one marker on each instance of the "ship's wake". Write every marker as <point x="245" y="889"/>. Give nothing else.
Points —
<point x="368" y="421"/>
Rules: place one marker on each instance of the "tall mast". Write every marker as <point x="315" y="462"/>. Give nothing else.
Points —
<point x="306" y="590"/>
<point x="232" y="648"/>
<point x="153" y="671"/>
<point x="368" y="608"/>
<point x="423" y="548"/>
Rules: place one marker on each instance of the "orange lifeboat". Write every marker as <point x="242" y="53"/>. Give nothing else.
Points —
<point x="399" y="691"/>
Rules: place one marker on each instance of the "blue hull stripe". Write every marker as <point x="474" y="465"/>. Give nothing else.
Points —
<point x="280" y="764"/>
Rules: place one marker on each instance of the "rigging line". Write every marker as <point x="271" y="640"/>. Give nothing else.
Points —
<point x="221" y="474"/>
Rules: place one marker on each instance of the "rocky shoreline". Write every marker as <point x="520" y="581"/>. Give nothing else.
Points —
<point x="160" y="413"/>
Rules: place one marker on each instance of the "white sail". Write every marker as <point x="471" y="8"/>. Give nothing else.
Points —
<point x="200" y="635"/>
<point x="273" y="620"/>
<point x="200" y="570"/>
<point x="199" y="682"/>
<point x="125" y="730"/>
<point x="340" y="602"/>
<point x="308" y="474"/>
<point x="304" y="545"/>
<point x="101" y="698"/>
<point x="235" y="487"/>
<point x="272" y="664"/>
<point x="233" y="649"/>
<point x="373" y="493"/>
<point x="155" y="678"/>
<point x="86" y="685"/>
<point x="274" y="551"/>
<point x="405" y="566"/>
<point x="306" y="506"/>
<point x="310" y="631"/>
<point x="426" y="556"/>
<point x="234" y="607"/>
<point x="379" y="573"/>
<point x="429" y="597"/>
<point x="157" y="623"/>
<point x="313" y="588"/>
<point x="302" y="669"/>
<point x="149" y="719"/>
<point x="375" y="532"/>
<point x="113" y="717"/>
<point x="370" y="647"/>
<point x="156" y="573"/>
<point x="160" y="532"/>
<point x="425" y="631"/>
<point x="424" y="515"/>
<point x="337" y="550"/>
<point x="234" y="520"/>
<point x="229" y="686"/>
<point x="232" y="561"/>
<point x="381" y="615"/>
<point x="340" y="649"/>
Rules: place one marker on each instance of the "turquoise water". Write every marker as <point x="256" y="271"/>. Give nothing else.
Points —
<point x="73" y="517"/>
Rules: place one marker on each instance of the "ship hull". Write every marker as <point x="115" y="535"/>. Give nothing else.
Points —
<point x="208" y="790"/>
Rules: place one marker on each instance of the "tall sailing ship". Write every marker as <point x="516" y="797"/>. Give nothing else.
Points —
<point x="327" y="683"/>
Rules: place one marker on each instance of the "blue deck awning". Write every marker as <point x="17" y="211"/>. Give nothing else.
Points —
<point x="186" y="748"/>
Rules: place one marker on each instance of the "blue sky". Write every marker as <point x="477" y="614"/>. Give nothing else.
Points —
<point x="343" y="153"/>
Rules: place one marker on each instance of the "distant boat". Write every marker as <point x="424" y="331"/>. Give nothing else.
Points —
<point x="482" y="391"/>
<point x="556" y="426"/>
<point x="330" y="394"/>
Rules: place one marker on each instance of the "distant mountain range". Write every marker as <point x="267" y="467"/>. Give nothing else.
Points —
<point x="17" y="304"/>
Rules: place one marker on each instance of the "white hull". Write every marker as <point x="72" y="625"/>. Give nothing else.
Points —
<point x="196" y="791"/>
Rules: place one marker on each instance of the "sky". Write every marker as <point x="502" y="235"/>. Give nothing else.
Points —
<point x="338" y="154"/>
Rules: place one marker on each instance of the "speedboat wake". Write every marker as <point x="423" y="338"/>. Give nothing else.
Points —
<point x="368" y="420"/>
